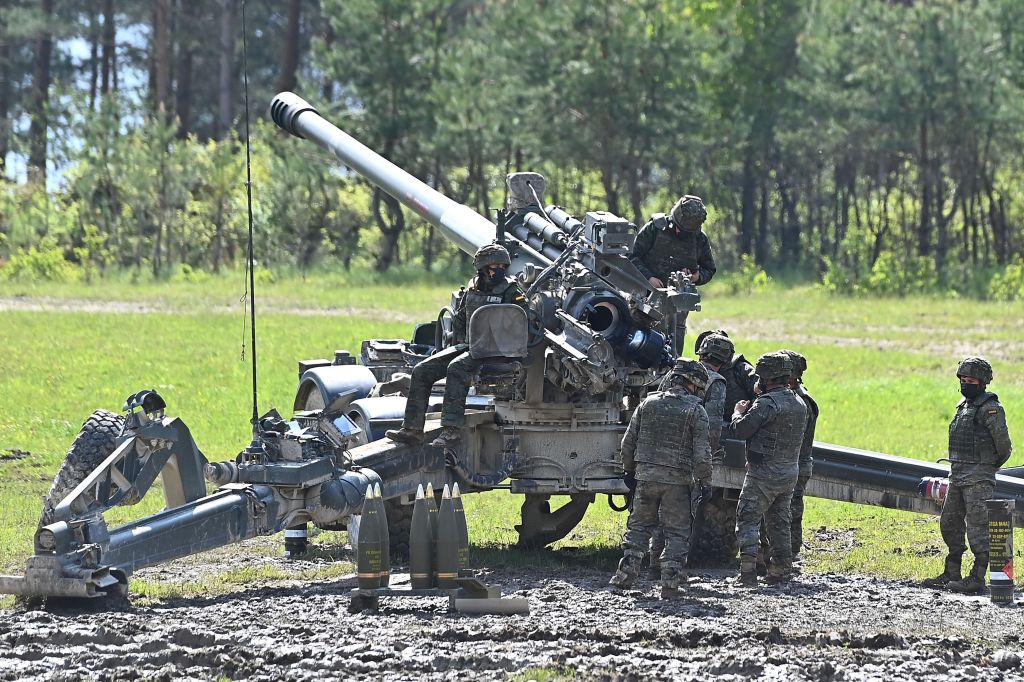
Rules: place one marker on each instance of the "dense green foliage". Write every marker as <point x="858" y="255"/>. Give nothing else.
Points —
<point x="875" y="146"/>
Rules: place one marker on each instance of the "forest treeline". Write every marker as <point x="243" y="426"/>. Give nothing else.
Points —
<point x="872" y="145"/>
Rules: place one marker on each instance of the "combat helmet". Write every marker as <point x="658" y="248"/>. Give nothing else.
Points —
<point x="774" y="367"/>
<point x="522" y="187"/>
<point x="691" y="371"/>
<point x="705" y="334"/>
<point x="689" y="213"/>
<point x="491" y="254"/>
<point x="799" y="362"/>
<point x="718" y="347"/>
<point x="979" y="368"/>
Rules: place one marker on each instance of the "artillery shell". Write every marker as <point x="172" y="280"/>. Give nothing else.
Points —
<point x="463" y="532"/>
<point x="446" y="558"/>
<point x="421" y="548"/>
<point x="368" y="554"/>
<point x="431" y="500"/>
<point x="1000" y="558"/>
<point x="384" y="533"/>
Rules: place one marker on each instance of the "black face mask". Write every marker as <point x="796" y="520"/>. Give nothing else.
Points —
<point x="492" y="279"/>
<point x="971" y="391"/>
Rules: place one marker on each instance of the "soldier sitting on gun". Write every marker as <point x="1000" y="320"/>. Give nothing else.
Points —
<point x="490" y="286"/>
<point x="675" y="243"/>
<point x="664" y="449"/>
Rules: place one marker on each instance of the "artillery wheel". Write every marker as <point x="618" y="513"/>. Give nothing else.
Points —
<point x="715" y="544"/>
<point x="94" y="443"/>
<point x="540" y="526"/>
<point x="399" y="521"/>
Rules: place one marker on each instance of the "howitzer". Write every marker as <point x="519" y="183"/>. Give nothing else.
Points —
<point x="549" y="413"/>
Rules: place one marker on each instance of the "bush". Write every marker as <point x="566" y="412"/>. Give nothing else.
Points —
<point x="747" y="278"/>
<point x="45" y="262"/>
<point x="1008" y="285"/>
<point x="893" y="276"/>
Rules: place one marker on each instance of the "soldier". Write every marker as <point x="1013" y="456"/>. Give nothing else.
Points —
<point x="712" y="400"/>
<point x="490" y="286"/>
<point x="806" y="450"/>
<point x="675" y="243"/>
<point x="665" y="448"/>
<point x="773" y="427"/>
<point x="718" y="352"/>
<point x="979" y="443"/>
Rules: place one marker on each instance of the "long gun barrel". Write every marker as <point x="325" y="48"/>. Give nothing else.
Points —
<point x="466" y="228"/>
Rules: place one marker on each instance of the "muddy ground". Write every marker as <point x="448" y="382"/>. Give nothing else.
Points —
<point x="820" y="627"/>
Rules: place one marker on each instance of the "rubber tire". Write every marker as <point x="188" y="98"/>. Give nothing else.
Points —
<point x="94" y="443"/>
<point x="399" y="521"/>
<point x="717" y="545"/>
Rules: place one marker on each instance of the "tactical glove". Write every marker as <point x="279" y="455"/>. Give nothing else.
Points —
<point x="630" y="480"/>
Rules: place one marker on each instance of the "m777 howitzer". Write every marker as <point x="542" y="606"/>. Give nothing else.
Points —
<point x="553" y="398"/>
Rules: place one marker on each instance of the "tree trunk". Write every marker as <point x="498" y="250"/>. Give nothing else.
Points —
<point x="391" y="227"/>
<point x="40" y="98"/>
<point x="161" y="58"/>
<point x="327" y="87"/>
<point x="290" y="49"/>
<point x="5" y="97"/>
<point x="225" y="108"/>
<point x="187" y="29"/>
<point x="94" y="57"/>
<point x="748" y="198"/>
<point x="924" y="226"/>
<point x="108" y="70"/>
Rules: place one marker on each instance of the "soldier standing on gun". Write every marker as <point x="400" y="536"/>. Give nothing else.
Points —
<point x="664" y="449"/>
<point x="712" y="400"/>
<point x="675" y="243"/>
<point x="773" y="427"/>
<point x="490" y="286"/>
<point x="806" y="450"/>
<point x="979" y="443"/>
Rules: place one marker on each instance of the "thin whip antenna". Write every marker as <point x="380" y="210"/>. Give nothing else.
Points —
<point x="251" y="260"/>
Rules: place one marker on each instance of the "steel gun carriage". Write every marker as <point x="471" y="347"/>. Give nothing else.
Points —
<point x="552" y="401"/>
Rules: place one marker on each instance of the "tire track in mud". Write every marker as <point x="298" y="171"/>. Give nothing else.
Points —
<point x="818" y="628"/>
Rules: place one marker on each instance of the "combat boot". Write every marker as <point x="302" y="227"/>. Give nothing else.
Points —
<point x="405" y="435"/>
<point x="654" y="570"/>
<point x="672" y="578"/>
<point x="748" y="573"/>
<point x="949" y="575"/>
<point x="625" y="576"/>
<point x="448" y="438"/>
<point x="777" y="573"/>
<point x="974" y="583"/>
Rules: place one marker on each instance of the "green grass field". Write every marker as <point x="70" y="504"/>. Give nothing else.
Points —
<point x="882" y="371"/>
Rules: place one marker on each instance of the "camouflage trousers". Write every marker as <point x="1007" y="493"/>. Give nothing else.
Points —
<point x="459" y="368"/>
<point x="771" y="500"/>
<point x="965" y="510"/>
<point x="796" y="507"/>
<point x="665" y="506"/>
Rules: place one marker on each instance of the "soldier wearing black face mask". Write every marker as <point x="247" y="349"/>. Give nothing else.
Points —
<point x="490" y="286"/>
<point x="979" y="443"/>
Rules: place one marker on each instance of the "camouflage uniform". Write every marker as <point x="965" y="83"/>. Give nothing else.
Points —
<point x="455" y="362"/>
<point x="674" y="242"/>
<point x="714" y="397"/>
<point x="666" y="445"/>
<point x="773" y="428"/>
<point x="736" y="373"/>
<point x="979" y="443"/>
<point x="806" y="451"/>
